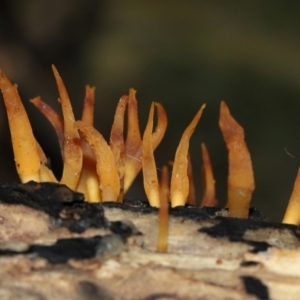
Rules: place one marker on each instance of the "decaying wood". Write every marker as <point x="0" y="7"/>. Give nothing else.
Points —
<point x="208" y="257"/>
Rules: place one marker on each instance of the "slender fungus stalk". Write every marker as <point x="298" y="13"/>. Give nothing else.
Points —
<point x="240" y="177"/>
<point x="162" y="122"/>
<point x="164" y="191"/>
<point x="149" y="167"/>
<point x="292" y="213"/>
<point x="163" y="218"/>
<point x="88" y="105"/>
<point x="53" y="117"/>
<point x="191" y="200"/>
<point x="106" y="168"/>
<point x="88" y="182"/>
<point x="209" y="195"/>
<point x="117" y="142"/>
<point x="72" y="150"/>
<point x="133" y="144"/>
<point x="24" y="145"/>
<point x="179" y="180"/>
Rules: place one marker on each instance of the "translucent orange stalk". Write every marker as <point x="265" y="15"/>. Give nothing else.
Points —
<point x="24" y="145"/>
<point x="117" y="142"/>
<point x="72" y="149"/>
<point x="89" y="181"/>
<point x="149" y="167"/>
<point x="88" y="105"/>
<point x="53" y="117"/>
<point x="163" y="217"/>
<point x="209" y="195"/>
<point x="133" y="144"/>
<point x="191" y="199"/>
<point x="240" y="177"/>
<point x="179" y="180"/>
<point x="106" y="168"/>
<point x="292" y="213"/>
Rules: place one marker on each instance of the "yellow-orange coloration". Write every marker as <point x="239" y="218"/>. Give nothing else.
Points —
<point x="163" y="218"/>
<point x="209" y="195"/>
<point x="179" y="180"/>
<point x="117" y="142"/>
<point x="72" y="148"/>
<point x="88" y="105"/>
<point x="148" y="163"/>
<point x="53" y="117"/>
<point x="104" y="172"/>
<point x="164" y="190"/>
<point x="24" y="143"/>
<point x="88" y="182"/>
<point x="292" y="213"/>
<point x="191" y="200"/>
<point x="240" y="177"/>
<point x="106" y="168"/>
<point x="133" y="144"/>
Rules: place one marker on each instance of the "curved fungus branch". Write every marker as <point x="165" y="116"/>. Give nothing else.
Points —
<point x="53" y="117"/>
<point x="72" y="149"/>
<point x="160" y="129"/>
<point x="179" y="180"/>
<point x="24" y="144"/>
<point x="149" y="167"/>
<point x="88" y="183"/>
<point x="106" y="167"/>
<point x="209" y="195"/>
<point x="292" y="213"/>
<point x="133" y="143"/>
<point x="240" y="177"/>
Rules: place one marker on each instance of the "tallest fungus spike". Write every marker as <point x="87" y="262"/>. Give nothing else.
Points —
<point x="24" y="144"/>
<point x="240" y="177"/>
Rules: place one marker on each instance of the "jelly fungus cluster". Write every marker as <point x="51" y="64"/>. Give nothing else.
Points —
<point x="104" y="171"/>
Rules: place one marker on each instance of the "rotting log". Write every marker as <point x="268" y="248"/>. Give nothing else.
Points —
<point x="46" y="254"/>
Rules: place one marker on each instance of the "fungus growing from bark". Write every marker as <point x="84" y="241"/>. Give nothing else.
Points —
<point x="209" y="195"/>
<point x="163" y="217"/>
<point x="148" y="163"/>
<point x="27" y="158"/>
<point x="102" y="171"/>
<point x="179" y="180"/>
<point x="240" y="174"/>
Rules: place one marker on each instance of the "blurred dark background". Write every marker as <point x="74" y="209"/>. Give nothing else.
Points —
<point x="180" y="53"/>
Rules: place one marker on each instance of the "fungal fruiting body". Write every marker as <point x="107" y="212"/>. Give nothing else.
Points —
<point x="240" y="175"/>
<point x="104" y="171"/>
